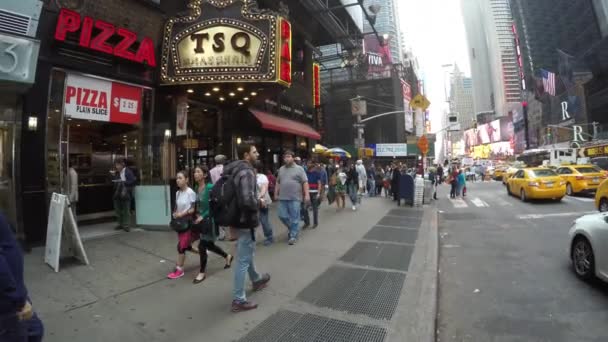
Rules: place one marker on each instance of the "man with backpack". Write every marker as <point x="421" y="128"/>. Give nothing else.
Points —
<point x="234" y="202"/>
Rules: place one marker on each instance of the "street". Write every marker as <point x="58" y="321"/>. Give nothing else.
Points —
<point x="505" y="274"/>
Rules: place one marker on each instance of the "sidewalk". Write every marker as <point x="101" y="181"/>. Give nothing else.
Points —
<point x="342" y="279"/>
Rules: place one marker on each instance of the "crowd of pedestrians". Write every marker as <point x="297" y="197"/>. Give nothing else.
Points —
<point x="235" y="197"/>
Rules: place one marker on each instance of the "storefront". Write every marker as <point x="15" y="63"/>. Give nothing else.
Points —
<point x="234" y="75"/>
<point x="17" y="74"/>
<point x="93" y="102"/>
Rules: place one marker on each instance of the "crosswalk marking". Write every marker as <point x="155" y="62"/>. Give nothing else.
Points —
<point x="479" y="202"/>
<point x="539" y="216"/>
<point x="582" y="199"/>
<point x="458" y="202"/>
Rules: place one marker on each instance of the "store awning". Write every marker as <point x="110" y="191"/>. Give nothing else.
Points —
<point x="279" y="124"/>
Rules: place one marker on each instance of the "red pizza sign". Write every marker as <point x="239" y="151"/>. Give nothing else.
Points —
<point x="100" y="36"/>
<point x="95" y="99"/>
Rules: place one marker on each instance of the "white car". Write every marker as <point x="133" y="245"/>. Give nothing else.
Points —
<point x="588" y="248"/>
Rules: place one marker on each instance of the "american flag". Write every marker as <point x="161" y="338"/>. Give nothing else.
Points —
<point x="548" y="81"/>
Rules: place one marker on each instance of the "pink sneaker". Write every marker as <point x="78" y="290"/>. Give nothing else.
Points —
<point x="177" y="273"/>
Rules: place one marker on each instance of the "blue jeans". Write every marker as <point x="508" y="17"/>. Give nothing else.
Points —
<point x="371" y="184"/>
<point x="11" y="329"/>
<point x="289" y="213"/>
<point x="245" y="248"/>
<point x="353" y="193"/>
<point x="459" y="189"/>
<point x="266" y="226"/>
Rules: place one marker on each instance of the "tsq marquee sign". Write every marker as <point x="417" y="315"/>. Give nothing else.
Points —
<point x="222" y="41"/>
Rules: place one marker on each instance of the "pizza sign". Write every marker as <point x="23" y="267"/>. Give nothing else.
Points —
<point x="95" y="99"/>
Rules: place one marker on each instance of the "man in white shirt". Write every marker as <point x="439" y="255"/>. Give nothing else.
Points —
<point x="216" y="172"/>
<point x="73" y="188"/>
<point x="362" y="177"/>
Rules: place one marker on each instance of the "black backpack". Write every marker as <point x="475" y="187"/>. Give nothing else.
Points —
<point x="224" y="204"/>
<point x="223" y="201"/>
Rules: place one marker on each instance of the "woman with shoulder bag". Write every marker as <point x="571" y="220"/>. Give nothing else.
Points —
<point x="185" y="199"/>
<point x="204" y="225"/>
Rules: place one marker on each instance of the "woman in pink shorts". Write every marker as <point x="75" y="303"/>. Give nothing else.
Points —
<point x="185" y="200"/>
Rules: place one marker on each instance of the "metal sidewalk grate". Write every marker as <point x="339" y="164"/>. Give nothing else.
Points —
<point x="288" y="326"/>
<point x="356" y="291"/>
<point x="381" y="255"/>
<point x="406" y="213"/>
<point x="409" y="222"/>
<point x="392" y="234"/>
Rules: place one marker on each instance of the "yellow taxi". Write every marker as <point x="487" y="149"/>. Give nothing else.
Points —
<point x="500" y="171"/>
<point x="581" y="178"/>
<point x="601" y="196"/>
<point x="536" y="183"/>
<point x="509" y="172"/>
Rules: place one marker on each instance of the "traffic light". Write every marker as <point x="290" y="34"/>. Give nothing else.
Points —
<point x="549" y="133"/>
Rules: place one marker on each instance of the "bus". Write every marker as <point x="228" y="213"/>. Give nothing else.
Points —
<point x="548" y="157"/>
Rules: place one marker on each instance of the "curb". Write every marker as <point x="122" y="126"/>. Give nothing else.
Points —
<point x="416" y="313"/>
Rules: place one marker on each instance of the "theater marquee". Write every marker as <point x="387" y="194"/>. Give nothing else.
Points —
<point x="226" y="41"/>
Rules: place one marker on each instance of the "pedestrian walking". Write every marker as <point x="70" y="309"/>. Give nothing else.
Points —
<point x="263" y="187"/>
<point x="362" y="177"/>
<point x="216" y="173"/>
<point x="124" y="181"/>
<point x="204" y="223"/>
<point x="235" y="202"/>
<point x="386" y="181"/>
<point x="73" y="187"/>
<point x="453" y="180"/>
<point x="352" y="182"/>
<point x="291" y="190"/>
<point x="371" y="180"/>
<point x="482" y="171"/>
<point x="461" y="183"/>
<point x="185" y="199"/>
<point x="315" y="188"/>
<point x="18" y="321"/>
<point x="218" y="169"/>
<point x="272" y="181"/>
<point x="341" y="188"/>
<point x="396" y="174"/>
<point x="439" y="174"/>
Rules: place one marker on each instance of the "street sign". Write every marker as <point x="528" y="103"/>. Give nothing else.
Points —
<point x="423" y="145"/>
<point x="358" y="107"/>
<point x="359" y="142"/>
<point x="420" y="101"/>
<point x="454" y="128"/>
<point x="359" y="125"/>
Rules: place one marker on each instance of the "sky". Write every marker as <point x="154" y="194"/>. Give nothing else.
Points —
<point x="434" y="30"/>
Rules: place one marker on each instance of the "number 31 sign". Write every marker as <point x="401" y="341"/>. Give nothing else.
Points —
<point x="18" y="58"/>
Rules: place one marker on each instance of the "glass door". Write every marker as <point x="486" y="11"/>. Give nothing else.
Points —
<point x="8" y="160"/>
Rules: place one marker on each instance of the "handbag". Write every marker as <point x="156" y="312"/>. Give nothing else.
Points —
<point x="180" y="225"/>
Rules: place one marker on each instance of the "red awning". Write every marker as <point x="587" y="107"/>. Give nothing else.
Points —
<point x="279" y="124"/>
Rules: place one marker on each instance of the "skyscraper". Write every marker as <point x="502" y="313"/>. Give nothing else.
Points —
<point x="461" y="98"/>
<point x="492" y="54"/>
<point x="387" y="23"/>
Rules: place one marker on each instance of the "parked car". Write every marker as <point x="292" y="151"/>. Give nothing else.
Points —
<point x="581" y="178"/>
<point x="588" y="246"/>
<point x="536" y="183"/>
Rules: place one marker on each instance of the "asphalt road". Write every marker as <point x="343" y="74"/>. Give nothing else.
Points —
<point x="505" y="274"/>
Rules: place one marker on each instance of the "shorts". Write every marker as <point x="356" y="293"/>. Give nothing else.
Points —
<point x="184" y="241"/>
